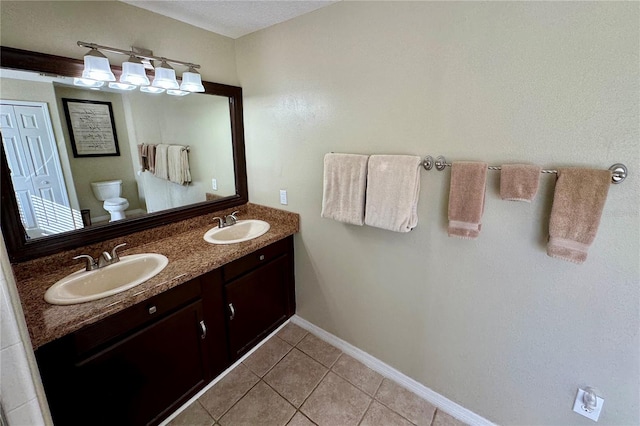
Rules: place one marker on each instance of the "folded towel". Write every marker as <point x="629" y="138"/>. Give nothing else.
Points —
<point x="519" y="182"/>
<point x="345" y="179"/>
<point x="162" y="165"/>
<point x="393" y="187"/>
<point x="151" y="158"/>
<point x="578" y="202"/>
<point x="178" y="164"/>
<point x="466" y="199"/>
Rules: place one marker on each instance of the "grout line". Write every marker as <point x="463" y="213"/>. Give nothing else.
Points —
<point x="222" y="375"/>
<point x="450" y="407"/>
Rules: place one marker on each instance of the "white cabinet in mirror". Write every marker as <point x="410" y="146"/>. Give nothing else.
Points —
<point x="39" y="148"/>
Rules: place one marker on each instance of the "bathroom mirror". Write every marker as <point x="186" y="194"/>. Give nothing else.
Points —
<point x="209" y="124"/>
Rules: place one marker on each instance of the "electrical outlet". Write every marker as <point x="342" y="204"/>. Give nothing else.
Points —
<point x="283" y="197"/>
<point x="579" y="404"/>
<point x="214" y="184"/>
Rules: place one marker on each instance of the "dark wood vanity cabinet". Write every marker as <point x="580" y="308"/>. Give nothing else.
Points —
<point x="139" y="365"/>
<point x="258" y="295"/>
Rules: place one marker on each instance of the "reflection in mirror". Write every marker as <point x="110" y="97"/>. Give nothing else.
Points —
<point x="151" y="203"/>
<point x="53" y="187"/>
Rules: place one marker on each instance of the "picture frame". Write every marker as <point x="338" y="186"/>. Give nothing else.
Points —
<point x="92" y="129"/>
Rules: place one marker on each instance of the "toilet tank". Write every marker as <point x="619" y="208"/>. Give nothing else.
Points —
<point x="107" y="189"/>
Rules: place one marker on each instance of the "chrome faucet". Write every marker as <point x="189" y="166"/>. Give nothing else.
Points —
<point x="105" y="259"/>
<point x="227" y="220"/>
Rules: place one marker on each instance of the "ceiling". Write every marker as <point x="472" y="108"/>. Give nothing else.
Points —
<point x="231" y="18"/>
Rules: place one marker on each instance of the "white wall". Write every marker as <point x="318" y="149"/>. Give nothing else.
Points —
<point x="493" y="324"/>
<point x="201" y="122"/>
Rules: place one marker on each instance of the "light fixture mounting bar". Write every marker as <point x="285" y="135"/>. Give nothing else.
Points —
<point x="138" y="55"/>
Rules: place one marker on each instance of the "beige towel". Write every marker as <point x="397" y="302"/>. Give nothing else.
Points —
<point x="519" y="182"/>
<point x="178" y="164"/>
<point x="162" y="165"/>
<point x="393" y="187"/>
<point x="578" y="202"/>
<point x="466" y="199"/>
<point x="345" y="179"/>
<point x="151" y="157"/>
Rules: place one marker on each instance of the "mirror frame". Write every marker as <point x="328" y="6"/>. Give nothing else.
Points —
<point x="20" y="249"/>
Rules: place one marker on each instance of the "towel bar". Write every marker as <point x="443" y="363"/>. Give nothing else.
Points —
<point x="618" y="170"/>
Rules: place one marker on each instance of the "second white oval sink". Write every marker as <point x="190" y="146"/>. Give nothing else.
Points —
<point x="85" y="286"/>
<point x="243" y="230"/>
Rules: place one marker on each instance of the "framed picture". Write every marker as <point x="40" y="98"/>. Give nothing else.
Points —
<point x="91" y="128"/>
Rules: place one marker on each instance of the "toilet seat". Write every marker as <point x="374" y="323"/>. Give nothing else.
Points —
<point x="115" y="202"/>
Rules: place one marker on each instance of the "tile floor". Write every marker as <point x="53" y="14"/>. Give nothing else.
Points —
<point x="296" y="379"/>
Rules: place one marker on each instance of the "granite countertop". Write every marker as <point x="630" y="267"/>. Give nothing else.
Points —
<point x="189" y="257"/>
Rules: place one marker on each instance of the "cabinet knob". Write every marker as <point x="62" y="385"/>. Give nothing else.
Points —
<point x="261" y="257"/>
<point x="233" y="312"/>
<point x="152" y="310"/>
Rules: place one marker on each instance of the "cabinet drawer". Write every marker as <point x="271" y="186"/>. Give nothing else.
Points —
<point x="252" y="260"/>
<point x="131" y="318"/>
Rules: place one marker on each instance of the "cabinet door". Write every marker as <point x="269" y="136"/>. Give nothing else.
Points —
<point x="142" y="378"/>
<point x="257" y="303"/>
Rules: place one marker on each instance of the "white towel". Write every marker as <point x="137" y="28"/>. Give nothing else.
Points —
<point x="345" y="179"/>
<point x="178" y="164"/>
<point x="162" y="166"/>
<point x="393" y="188"/>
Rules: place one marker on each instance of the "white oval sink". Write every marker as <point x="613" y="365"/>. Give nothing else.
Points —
<point x="85" y="286"/>
<point x="243" y="230"/>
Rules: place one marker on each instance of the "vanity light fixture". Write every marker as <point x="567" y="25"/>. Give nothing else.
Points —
<point x="98" y="70"/>
<point x="174" y="92"/>
<point x="87" y="82"/>
<point x="96" y="66"/>
<point x="122" y="86"/>
<point x="151" y="89"/>
<point x="165" y="77"/>
<point x="133" y="72"/>
<point x="191" y="81"/>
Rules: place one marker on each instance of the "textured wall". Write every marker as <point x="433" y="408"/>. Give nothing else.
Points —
<point x="493" y="324"/>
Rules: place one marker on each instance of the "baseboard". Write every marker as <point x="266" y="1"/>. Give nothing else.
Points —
<point x="457" y="411"/>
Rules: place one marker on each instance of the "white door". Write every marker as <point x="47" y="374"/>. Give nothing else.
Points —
<point x="35" y="169"/>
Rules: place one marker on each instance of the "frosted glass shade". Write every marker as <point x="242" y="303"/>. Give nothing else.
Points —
<point x="151" y="89"/>
<point x="165" y="77"/>
<point x="191" y="82"/>
<point x="133" y="73"/>
<point x="122" y="86"/>
<point x="177" y="92"/>
<point x="87" y="82"/>
<point x="96" y="67"/>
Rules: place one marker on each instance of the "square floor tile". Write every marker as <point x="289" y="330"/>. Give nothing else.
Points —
<point x="405" y="403"/>
<point x="193" y="415"/>
<point x="319" y="350"/>
<point x="267" y="355"/>
<point x="261" y="406"/>
<point x="379" y="415"/>
<point x="357" y="373"/>
<point x="228" y="391"/>
<point x="300" y="420"/>
<point x="444" y="419"/>
<point x="336" y="402"/>
<point x="295" y="376"/>
<point x="292" y="333"/>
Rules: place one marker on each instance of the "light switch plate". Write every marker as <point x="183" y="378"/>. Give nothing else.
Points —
<point x="577" y="407"/>
<point x="283" y="197"/>
<point x="214" y="184"/>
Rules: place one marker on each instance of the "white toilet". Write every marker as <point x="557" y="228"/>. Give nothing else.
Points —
<point x="109" y="192"/>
